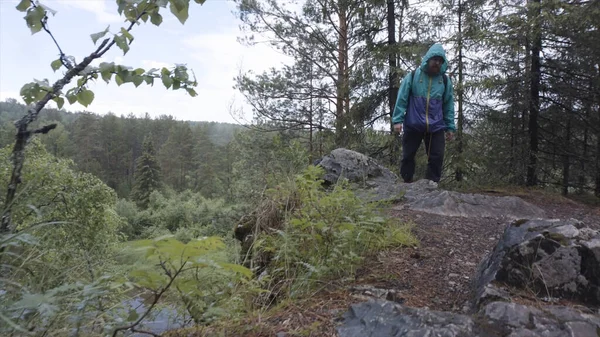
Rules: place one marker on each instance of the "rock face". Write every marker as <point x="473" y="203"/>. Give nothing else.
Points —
<point x="374" y="182"/>
<point x="421" y="196"/>
<point x="555" y="258"/>
<point x="387" y="319"/>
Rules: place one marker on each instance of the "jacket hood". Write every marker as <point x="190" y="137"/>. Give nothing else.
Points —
<point x="435" y="50"/>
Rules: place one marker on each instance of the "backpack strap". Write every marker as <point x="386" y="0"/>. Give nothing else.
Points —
<point x="445" y="85"/>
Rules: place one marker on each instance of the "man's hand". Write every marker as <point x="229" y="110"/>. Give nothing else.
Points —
<point x="398" y="127"/>
<point x="449" y="136"/>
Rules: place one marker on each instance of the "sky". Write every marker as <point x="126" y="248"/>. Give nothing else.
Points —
<point x="207" y="44"/>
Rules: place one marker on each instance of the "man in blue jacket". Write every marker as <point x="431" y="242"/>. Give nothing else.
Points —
<point x="425" y="107"/>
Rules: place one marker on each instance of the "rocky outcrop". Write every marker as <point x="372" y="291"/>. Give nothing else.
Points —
<point x="374" y="182"/>
<point x="554" y="258"/>
<point x="422" y="196"/>
<point x="550" y="259"/>
<point x="379" y="318"/>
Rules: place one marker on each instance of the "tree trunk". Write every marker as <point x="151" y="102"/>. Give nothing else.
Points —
<point x="393" y="77"/>
<point x="534" y="102"/>
<point x="596" y="99"/>
<point x="460" y="145"/>
<point x="310" y="118"/>
<point x="566" y="158"/>
<point x="342" y="84"/>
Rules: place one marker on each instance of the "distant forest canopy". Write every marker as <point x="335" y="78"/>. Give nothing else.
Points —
<point x="109" y="145"/>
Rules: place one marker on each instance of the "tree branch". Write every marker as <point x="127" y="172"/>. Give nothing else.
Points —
<point x="155" y="300"/>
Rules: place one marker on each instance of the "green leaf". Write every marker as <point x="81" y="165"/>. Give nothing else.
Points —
<point x="156" y="19"/>
<point x="192" y="92"/>
<point x="60" y="102"/>
<point x="201" y="2"/>
<point x="167" y="81"/>
<point x="121" y="42"/>
<point x="99" y="35"/>
<point x="237" y="268"/>
<point x="56" y="64"/>
<point x="133" y="315"/>
<point x="179" y="4"/>
<point x="71" y="98"/>
<point x="137" y="80"/>
<point x="180" y="8"/>
<point x="34" y="17"/>
<point x="23" y="5"/>
<point x="127" y="34"/>
<point x="149" y="80"/>
<point x="85" y="97"/>
<point x="139" y="71"/>
<point x="119" y="79"/>
<point x="106" y="70"/>
<point x="29" y="92"/>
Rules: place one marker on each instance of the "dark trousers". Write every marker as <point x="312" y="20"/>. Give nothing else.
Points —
<point x="434" y="148"/>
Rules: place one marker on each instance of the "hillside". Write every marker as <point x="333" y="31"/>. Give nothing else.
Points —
<point x="433" y="286"/>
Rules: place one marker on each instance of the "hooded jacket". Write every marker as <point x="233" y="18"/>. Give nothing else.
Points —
<point x="423" y="109"/>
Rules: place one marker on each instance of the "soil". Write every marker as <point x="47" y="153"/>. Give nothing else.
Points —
<point x="437" y="274"/>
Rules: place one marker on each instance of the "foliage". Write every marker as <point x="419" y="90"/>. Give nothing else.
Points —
<point x="79" y="204"/>
<point x="263" y="160"/>
<point x="323" y="234"/>
<point x="188" y="215"/>
<point x="147" y="175"/>
<point x="198" y="273"/>
<point x="36" y="16"/>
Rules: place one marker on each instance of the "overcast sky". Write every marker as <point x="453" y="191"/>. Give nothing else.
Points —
<point x="206" y="43"/>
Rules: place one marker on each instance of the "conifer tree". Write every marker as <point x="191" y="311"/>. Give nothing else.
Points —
<point x="147" y="175"/>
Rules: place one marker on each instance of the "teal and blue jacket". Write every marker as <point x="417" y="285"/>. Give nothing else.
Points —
<point x="420" y="105"/>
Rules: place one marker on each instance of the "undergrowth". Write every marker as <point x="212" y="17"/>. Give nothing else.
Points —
<point x="306" y="236"/>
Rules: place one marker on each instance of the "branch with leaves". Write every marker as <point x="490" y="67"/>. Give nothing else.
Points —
<point x="40" y="92"/>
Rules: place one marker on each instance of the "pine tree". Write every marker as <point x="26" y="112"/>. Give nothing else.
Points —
<point x="147" y="175"/>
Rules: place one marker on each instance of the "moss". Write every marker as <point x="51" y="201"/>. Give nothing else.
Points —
<point x="518" y="223"/>
<point x="561" y="239"/>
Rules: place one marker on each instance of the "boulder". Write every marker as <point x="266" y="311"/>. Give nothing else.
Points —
<point x="371" y="181"/>
<point x="554" y="258"/>
<point x="354" y="166"/>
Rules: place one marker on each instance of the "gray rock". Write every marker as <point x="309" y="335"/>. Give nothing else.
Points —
<point x="547" y="256"/>
<point x="386" y="319"/>
<point x="420" y="196"/>
<point x="354" y="166"/>
<point x="372" y="181"/>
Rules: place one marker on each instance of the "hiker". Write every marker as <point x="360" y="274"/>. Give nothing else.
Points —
<point x="425" y="107"/>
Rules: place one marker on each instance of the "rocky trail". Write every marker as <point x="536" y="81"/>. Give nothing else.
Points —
<point x="487" y="265"/>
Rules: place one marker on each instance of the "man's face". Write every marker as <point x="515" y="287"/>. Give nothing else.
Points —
<point x="435" y="65"/>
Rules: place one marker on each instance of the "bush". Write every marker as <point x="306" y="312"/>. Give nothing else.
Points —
<point x="308" y="234"/>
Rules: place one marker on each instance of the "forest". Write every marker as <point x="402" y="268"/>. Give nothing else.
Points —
<point x="98" y="210"/>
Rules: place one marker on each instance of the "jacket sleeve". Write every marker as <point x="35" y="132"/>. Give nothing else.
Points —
<point x="449" y="107"/>
<point x="402" y="100"/>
